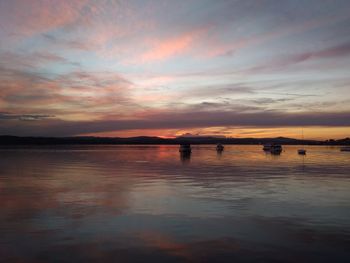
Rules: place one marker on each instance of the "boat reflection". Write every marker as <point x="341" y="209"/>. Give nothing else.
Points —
<point x="219" y="154"/>
<point x="185" y="157"/>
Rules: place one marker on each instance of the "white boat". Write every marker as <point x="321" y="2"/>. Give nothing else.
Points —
<point x="185" y="148"/>
<point x="345" y="149"/>
<point x="219" y="147"/>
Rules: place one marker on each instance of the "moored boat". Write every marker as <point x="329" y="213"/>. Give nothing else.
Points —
<point x="267" y="147"/>
<point x="219" y="147"/>
<point x="276" y="149"/>
<point x="185" y="148"/>
<point x="302" y="151"/>
<point x="273" y="148"/>
<point x="345" y="149"/>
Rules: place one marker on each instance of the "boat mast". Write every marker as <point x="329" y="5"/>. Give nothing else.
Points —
<point x="302" y="134"/>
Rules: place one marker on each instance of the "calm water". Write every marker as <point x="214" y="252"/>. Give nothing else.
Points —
<point x="147" y="204"/>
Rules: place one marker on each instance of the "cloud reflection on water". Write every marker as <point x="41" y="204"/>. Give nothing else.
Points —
<point x="133" y="203"/>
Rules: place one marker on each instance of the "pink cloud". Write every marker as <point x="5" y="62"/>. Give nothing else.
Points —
<point x="166" y="48"/>
<point x="33" y="17"/>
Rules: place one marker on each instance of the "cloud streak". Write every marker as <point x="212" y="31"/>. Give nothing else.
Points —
<point x="283" y="62"/>
<point x="24" y="117"/>
<point x="182" y="120"/>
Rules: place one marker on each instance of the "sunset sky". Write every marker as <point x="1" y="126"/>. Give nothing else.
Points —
<point x="248" y="68"/>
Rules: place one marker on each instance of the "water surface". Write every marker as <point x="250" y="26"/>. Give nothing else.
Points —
<point x="149" y="204"/>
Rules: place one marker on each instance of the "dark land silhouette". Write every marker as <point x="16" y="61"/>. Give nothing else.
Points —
<point x="15" y="140"/>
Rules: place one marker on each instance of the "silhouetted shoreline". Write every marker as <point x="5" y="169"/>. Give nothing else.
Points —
<point x="16" y="140"/>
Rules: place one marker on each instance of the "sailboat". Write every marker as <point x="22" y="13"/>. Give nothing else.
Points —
<point x="302" y="151"/>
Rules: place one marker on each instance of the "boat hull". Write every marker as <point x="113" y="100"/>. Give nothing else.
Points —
<point x="186" y="148"/>
<point x="274" y="149"/>
<point x="302" y="152"/>
<point x="219" y="148"/>
<point x="267" y="148"/>
<point x="345" y="149"/>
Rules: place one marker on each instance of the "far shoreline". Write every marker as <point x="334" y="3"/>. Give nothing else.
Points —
<point x="8" y="140"/>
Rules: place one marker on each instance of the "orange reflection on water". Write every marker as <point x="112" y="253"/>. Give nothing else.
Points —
<point x="149" y="202"/>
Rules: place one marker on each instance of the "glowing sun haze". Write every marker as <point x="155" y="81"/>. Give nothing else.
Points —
<point x="126" y="68"/>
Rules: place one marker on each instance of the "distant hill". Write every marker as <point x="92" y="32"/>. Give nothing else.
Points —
<point x="15" y="140"/>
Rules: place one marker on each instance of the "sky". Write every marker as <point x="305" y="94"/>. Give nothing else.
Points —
<point x="235" y="68"/>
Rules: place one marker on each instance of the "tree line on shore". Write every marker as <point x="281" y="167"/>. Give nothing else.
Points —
<point x="16" y="140"/>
